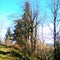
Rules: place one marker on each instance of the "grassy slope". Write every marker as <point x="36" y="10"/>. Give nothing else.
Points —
<point x="9" y="53"/>
<point x="12" y="53"/>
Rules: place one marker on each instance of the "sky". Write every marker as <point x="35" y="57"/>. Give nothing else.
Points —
<point x="11" y="8"/>
<point x="8" y="8"/>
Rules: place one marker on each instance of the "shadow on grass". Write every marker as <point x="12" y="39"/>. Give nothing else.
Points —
<point x="12" y="53"/>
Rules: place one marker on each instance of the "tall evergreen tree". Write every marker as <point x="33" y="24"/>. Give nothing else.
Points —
<point x="24" y="28"/>
<point x="19" y="32"/>
<point x="8" y="37"/>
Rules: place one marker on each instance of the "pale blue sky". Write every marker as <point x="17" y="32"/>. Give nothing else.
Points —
<point x="8" y="8"/>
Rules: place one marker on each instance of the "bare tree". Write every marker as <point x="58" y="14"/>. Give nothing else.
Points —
<point x="54" y="9"/>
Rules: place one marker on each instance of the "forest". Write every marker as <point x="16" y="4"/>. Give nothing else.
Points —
<point x="29" y="37"/>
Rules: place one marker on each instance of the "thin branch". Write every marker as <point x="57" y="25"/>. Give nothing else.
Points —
<point x="37" y="24"/>
<point x="58" y="32"/>
<point x="49" y="27"/>
<point x="35" y="14"/>
<point x="58" y="21"/>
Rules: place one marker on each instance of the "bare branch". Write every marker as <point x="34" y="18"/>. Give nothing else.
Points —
<point x="58" y="22"/>
<point x="58" y="32"/>
<point x="34" y="15"/>
<point x="50" y="27"/>
<point x="37" y="24"/>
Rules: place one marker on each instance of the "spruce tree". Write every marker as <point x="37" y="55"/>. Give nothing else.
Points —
<point x="24" y="28"/>
<point x="8" y="38"/>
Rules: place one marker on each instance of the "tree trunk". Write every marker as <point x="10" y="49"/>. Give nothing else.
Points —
<point x="55" y="35"/>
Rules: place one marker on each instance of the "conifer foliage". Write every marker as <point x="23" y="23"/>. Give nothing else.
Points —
<point x="8" y="38"/>
<point x="24" y="29"/>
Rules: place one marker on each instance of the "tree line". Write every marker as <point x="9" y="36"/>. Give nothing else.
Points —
<point x="25" y="34"/>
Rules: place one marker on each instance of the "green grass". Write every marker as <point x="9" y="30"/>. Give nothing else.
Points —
<point x="11" y="53"/>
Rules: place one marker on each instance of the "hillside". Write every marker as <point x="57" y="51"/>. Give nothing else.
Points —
<point x="10" y="53"/>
